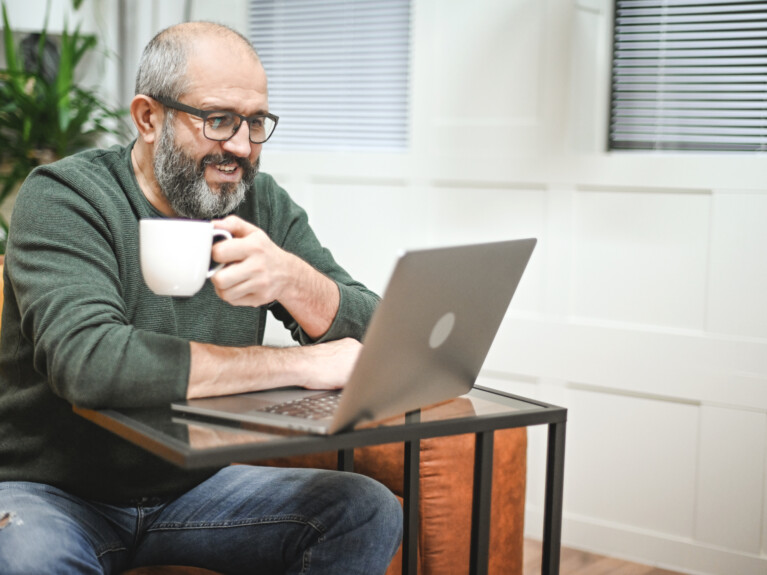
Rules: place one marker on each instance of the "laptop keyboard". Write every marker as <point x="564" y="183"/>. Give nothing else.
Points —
<point x="312" y="407"/>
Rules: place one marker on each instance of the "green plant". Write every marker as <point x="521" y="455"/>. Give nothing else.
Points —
<point x="44" y="113"/>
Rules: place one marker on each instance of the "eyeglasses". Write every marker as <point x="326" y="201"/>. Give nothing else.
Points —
<point x="221" y="125"/>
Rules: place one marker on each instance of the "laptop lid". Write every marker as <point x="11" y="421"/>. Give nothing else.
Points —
<point x="426" y="342"/>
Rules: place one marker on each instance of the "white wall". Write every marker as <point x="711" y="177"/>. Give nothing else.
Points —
<point x="643" y="309"/>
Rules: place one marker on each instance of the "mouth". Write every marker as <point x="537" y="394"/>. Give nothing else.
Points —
<point x="227" y="167"/>
<point x="222" y="169"/>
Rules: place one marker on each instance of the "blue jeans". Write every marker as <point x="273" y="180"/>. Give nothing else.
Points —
<point x="244" y="519"/>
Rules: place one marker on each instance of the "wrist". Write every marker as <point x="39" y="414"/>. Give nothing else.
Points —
<point x="311" y="298"/>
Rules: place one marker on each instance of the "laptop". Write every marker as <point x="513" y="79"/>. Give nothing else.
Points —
<point x="425" y="344"/>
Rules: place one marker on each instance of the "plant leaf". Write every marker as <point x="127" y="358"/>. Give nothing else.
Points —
<point x="65" y="77"/>
<point x="10" y="50"/>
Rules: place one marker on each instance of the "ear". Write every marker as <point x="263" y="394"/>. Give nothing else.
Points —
<point x="147" y="114"/>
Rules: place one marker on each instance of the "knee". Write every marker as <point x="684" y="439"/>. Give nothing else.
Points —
<point x="388" y="508"/>
<point x="374" y="507"/>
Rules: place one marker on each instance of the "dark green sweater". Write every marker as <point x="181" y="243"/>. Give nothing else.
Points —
<point x="79" y="325"/>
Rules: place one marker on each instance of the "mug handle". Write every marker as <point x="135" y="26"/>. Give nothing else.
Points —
<point x="221" y="234"/>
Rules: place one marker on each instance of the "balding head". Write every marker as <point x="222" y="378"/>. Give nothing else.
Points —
<point x="162" y="70"/>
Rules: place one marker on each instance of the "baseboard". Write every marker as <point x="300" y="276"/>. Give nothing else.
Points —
<point x="647" y="547"/>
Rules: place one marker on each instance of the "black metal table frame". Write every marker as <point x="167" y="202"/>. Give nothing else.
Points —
<point x="482" y="426"/>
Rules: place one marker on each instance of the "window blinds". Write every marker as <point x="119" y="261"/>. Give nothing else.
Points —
<point x="338" y="71"/>
<point x="689" y="75"/>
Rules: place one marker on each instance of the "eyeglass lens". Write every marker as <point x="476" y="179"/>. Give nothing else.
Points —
<point x="222" y="126"/>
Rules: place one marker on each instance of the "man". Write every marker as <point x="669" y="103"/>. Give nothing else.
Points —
<point x="80" y="327"/>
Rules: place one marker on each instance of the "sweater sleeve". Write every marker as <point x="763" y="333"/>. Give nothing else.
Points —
<point x="289" y="228"/>
<point x="64" y="265"/>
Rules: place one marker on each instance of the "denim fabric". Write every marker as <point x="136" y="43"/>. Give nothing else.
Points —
<point x="242" y="520"/>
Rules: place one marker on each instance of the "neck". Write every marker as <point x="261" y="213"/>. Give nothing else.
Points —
<point x="141" y="159"/>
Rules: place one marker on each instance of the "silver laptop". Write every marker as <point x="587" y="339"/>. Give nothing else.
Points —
<point x="426" y="343"/>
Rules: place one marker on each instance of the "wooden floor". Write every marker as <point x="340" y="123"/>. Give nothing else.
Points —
<point x="574" y="562"/>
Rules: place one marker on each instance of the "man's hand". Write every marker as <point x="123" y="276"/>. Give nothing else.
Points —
<point x="259" y="272"/>
<point x="331" y="364"/>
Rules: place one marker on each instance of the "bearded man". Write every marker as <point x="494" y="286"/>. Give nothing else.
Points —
<point x="80" y="327"/>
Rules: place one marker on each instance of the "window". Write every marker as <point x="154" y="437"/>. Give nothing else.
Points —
<point x="338" y="71"/>
<point x="689" y="75"/>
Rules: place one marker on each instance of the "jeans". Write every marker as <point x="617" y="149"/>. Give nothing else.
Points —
<point x="244" y="519"/>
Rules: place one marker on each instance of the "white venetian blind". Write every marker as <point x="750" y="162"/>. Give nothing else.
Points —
<point x="338" y="71"/>
<point x="689" y="75"/>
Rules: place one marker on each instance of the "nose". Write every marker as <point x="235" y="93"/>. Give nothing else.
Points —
<point x="239" y="144"/>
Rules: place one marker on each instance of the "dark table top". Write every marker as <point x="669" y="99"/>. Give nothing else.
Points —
<point x="194" y="442"/>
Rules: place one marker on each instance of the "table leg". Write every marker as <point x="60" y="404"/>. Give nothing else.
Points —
<point x="346" y="460"/>
<point x="480" y="509"/>
<point x="411" y="496"/>
<point x="552" y="513"/>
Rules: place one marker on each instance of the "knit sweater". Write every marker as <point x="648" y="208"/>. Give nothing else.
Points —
<point x="80" y="326"/>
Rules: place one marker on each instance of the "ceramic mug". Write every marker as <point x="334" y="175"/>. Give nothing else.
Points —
<point x="175" y="254"/>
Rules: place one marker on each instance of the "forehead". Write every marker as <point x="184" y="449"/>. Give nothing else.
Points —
<point x="223" y="72"/>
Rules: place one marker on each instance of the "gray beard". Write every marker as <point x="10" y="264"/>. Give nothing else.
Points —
<point x="182" y="179"/>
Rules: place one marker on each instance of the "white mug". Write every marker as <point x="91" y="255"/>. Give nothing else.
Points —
<point x="175" y="254"/>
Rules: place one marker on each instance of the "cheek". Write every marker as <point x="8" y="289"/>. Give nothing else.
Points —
<point x="194" y="143"/>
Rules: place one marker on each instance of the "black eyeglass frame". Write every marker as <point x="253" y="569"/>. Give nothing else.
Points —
<point x="168" y="103"/>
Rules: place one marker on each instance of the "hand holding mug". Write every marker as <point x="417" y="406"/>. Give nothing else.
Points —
<point x="258" y="271"/>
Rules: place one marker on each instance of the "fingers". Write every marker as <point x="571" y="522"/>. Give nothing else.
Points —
<point x="253" y="264"/>
<point x="236" y="249"/>
<point x="236" y="226"/>
<point x="248" y="241"/>
<point x="247" y="238"/>
<point x="242" y="293"/>
<point x="333" y="364"/>
<point x="244" y="281"/>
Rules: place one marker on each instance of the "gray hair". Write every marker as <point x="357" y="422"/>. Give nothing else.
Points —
<point x="162" y="68"/>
